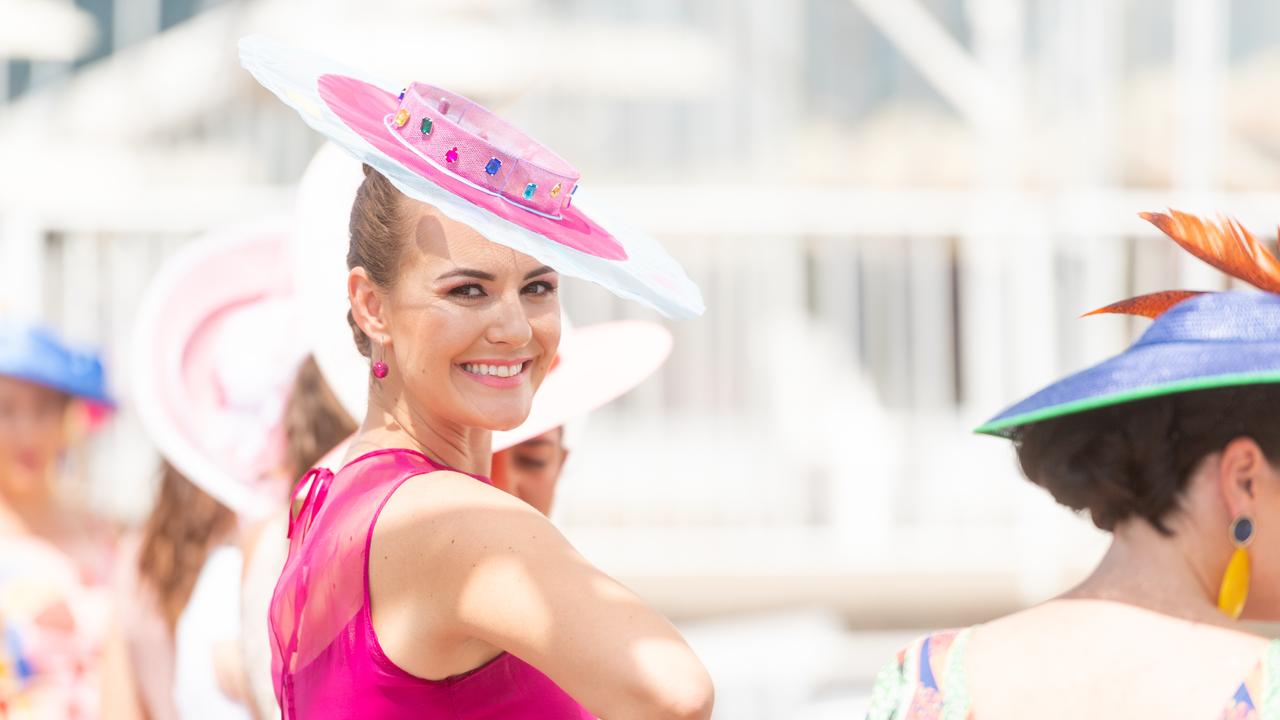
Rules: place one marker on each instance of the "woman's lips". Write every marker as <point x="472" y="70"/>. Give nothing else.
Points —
<point x="497" y="373"/>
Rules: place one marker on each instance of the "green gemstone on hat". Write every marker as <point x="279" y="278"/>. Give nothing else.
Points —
<point x="529" y="190"/>
<point x="427" y="125"/>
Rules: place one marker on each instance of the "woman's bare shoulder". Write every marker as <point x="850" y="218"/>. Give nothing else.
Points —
<point x="443" y="494"/>
<point x="1094" y="655"/>
<point x="446" y="514"/>
<point x="1068" y="621"/>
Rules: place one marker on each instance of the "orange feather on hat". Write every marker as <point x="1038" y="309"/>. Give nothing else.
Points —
<point x="1152" y="305"/>
<point x="1226" y="245"/>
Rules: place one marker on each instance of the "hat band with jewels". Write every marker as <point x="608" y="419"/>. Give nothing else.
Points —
<point x="466" y="140"/>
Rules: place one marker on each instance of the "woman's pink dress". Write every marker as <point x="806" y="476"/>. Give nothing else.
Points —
<point x="327" y="662"/>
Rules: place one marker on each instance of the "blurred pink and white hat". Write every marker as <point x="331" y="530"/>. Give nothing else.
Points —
<point x="215" y="351"/>
<point x="445" y="150"/>
<point x="595" y="365"/>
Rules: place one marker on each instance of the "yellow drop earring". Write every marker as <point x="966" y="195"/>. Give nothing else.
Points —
<point x="1235" y="581"/>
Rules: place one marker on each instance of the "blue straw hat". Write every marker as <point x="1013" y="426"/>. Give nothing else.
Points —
<point x="1212" y="340"/>
<point x="35" y="354"/>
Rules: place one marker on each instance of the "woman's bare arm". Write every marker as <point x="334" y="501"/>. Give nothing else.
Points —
<point x="467" y="555"/>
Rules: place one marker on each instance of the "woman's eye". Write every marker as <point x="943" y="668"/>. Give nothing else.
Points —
<point x="467" y="291"/>
<point x="541" y="287"/>
<point x="528" y="463"/>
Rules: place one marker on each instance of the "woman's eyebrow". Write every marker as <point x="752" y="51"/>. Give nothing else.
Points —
<point x="482" y="275"/>
<point x="468" y="272"/>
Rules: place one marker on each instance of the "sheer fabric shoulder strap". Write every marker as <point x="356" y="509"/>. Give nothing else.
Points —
<point x="925" y="681"/>
<point x="321" y="587"/>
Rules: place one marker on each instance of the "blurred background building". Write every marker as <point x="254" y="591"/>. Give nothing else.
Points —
<point x="896" y="209"/>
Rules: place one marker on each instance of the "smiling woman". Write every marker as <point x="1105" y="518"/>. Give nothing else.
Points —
<point x="453" y="298"/>
<point x="412" y="584"/>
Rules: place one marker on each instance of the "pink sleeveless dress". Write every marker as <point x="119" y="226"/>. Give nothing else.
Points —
<point x="327" y="662"/>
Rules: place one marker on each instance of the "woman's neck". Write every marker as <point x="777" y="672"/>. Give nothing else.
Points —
<point x="460" y="448"/>
<point x="1172" y="575"/>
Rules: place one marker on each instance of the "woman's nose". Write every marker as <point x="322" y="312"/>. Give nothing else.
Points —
<point x="510" y="324"/>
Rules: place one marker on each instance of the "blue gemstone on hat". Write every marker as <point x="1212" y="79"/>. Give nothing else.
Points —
<point x="494" y="165"/>
<point x="402" y="94"/>
<point x="529" y="190"/>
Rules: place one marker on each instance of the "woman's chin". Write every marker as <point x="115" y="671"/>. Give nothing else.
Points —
<point x="502" y="418"/>
<point x="507" y="424"/>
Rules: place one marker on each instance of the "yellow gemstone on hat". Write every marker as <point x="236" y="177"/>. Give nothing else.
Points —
<point x="402" y="117"/>
<point x="555" y="190"/>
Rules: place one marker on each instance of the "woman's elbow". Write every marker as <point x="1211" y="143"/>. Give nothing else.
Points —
<point x="689" y="697"/>
<point x="693" y="702"/>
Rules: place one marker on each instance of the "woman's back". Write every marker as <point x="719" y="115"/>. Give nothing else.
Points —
<point x="1083" y="658"/>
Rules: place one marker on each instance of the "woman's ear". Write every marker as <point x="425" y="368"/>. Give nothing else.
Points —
<point x="1239" y="465"/>
<point x="367" y="305"/>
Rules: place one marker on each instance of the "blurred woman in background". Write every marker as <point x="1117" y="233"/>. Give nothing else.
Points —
<point x="54" y="555"/>
<point x="1173" y="447"/>
<point x="216" y="415"/>
<point x="158" y="573"/>
<point x="50" y="395"/>
<point x="191" y="538"/>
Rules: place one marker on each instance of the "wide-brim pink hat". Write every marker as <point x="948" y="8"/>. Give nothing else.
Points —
<point x="445" y="150"/>
<point x="215" y="349"/>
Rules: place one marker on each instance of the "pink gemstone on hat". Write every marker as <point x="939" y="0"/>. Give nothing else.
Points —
<point x="451" y="156"/>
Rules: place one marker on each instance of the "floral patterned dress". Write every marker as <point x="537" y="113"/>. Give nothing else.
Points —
<point x="926" y="681"/>
<point x="51" y="629"/>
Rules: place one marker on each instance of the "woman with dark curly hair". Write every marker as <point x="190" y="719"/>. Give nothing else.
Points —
<point x="1173" y="447"/>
